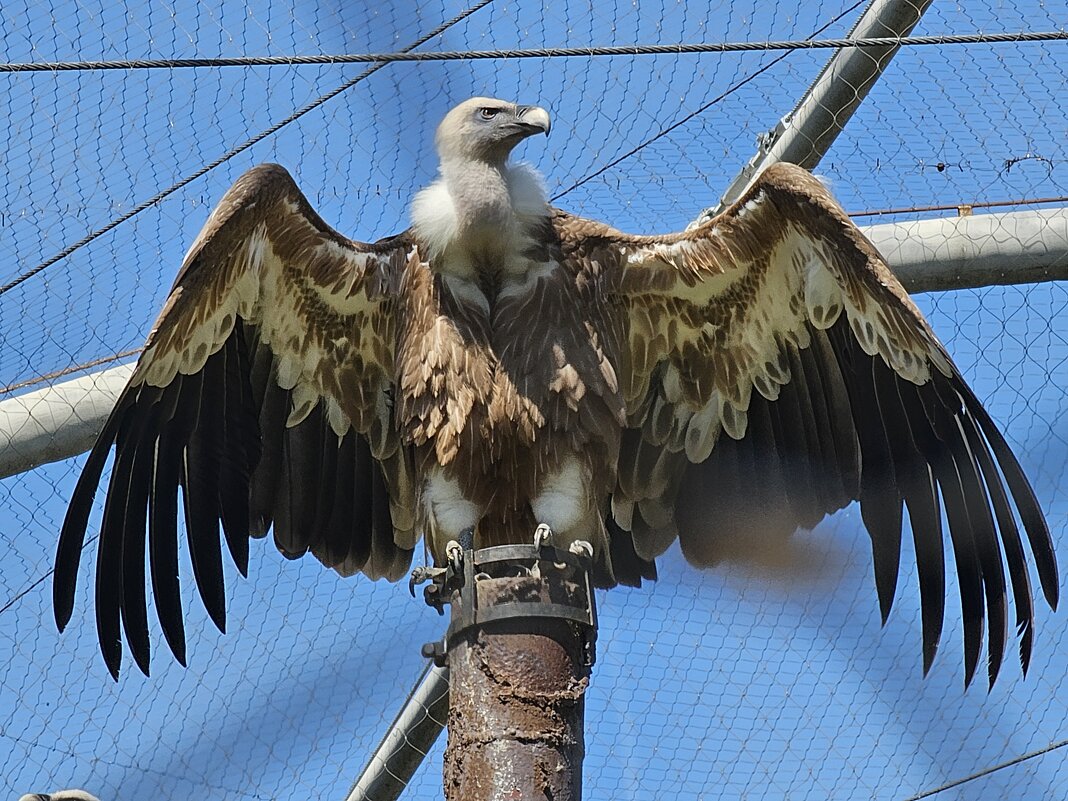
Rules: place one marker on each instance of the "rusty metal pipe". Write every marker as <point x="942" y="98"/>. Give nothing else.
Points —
<point x="519" y="651"/>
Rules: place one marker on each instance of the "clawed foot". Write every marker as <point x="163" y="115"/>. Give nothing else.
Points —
<point x="542" y="535"/>
<point x="454" y="552"/>
<point x="581" y="548"/>
<point x="421" y="575"/>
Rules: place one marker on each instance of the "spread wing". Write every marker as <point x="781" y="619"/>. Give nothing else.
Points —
<point x="264" y="392"/>
<point x="777" y="372"/>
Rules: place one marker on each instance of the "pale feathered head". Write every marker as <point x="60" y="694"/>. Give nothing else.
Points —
<point x="62" y="795"/>
<point x="486" y="129"/>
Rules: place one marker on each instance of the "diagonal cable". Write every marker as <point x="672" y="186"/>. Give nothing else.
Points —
<point x="18" y="596"/>
<point x="314" y="104"/>
<point x="714" y="101"/>
<point x="987" y="771"/>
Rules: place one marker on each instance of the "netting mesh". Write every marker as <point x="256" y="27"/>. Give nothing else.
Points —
<point x="728" y="683"/>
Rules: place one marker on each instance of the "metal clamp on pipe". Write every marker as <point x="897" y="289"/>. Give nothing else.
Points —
<point x="567" y="596"/>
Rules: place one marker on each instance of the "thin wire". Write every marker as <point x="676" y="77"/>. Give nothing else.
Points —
<point x="26" y="590"/>
<point x="85" y="240"/>
<point x="988" y="771"/>
<point x="29" y="382"/>
<point x="588" y="51"/>
<point x="678" y="123"/>
<point x="990" y="204"/>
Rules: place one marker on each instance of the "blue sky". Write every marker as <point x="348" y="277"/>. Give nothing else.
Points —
<point x="716" y="684"/>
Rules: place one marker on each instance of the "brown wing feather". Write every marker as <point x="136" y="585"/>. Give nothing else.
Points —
<point x="774" y="350"/>
<point x="266" y="375"/>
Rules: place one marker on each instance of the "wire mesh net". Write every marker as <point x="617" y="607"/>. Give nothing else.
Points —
<point x="735" y="682"/>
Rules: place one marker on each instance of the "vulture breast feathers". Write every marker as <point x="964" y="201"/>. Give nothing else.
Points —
<point x="743" y="378"/>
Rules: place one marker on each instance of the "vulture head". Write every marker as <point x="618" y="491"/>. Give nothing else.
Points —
<point x="62" y="795"/>
<point x="486" y="129"/>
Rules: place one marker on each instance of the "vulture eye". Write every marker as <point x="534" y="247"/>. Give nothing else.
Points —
<point x="488" y="113"/>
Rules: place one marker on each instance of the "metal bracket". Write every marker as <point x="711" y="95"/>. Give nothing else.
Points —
<point x="455" y="585"/>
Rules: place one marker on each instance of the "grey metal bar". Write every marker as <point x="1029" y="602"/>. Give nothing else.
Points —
<point x="980" y="250"/>
<point x="947" y="253"/>
<point x="57" y="422"/>
<point x="804" y="135"/>
<point x="407" y="740"/>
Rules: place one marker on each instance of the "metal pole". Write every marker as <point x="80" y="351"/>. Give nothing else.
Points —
<point x="409" y="738"/>
<point x="804" y="135"/>
<point x="520" y="649"/>
<point x="516" y="715"/>
<point x="976" y="250"/>
<point x="57" y="422"/>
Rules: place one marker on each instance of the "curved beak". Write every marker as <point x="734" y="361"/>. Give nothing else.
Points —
<point x="532" y="120"/>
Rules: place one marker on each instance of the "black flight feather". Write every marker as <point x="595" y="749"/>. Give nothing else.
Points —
<point x="301" y="445"/>
<point x="969" y="572"/>
<point x="265" y="484"/>
<point x="200" y="477"/>
<point x="1026" y="503"/>
<point x="163" y="537"/>
<point x="139" y="485"/>
<point x="880" y="499"/>
<point x="241" y="448"/>
<point x="326" y="478"/>
<point x="921" y="498"/>
<point x="108" y="595"/>
<point x="789" y="436"/>
<point x="361" y="535"/>
<point x="811" y="454"/>
<point x="829" y="472"/>
<point x="383" y="546"/>
<point x="342" y="529"/>
<point x="76" y="520"/>
<point x="163" y="510"/>
<point x="844" y="434"/>
<point x="1010" y="537"/>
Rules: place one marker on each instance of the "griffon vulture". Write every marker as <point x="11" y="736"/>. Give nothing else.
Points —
<point x="503" y="364"/>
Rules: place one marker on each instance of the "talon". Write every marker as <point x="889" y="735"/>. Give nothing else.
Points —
<point x="581" y="548"/>
<point x="421" y="575"/>
<point x="454" y="552"/>
<point x="542" y="535"/>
